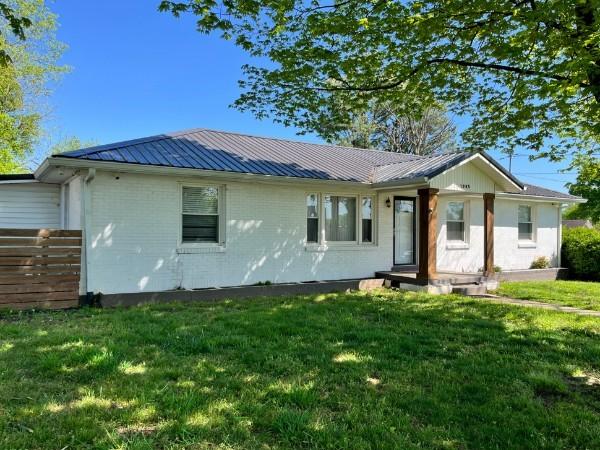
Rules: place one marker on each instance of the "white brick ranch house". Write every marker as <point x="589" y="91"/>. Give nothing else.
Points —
<point x="202" y="208"/>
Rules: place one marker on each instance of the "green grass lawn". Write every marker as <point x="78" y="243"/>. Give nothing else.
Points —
<point x="386" y="370"/>
<point x="580" y="294"/>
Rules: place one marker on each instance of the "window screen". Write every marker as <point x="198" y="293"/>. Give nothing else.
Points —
<point x="340" y="218"/>
<point x="200" y="215"/>
<point x="455" y="221"/>
<point x="525" y="223"/>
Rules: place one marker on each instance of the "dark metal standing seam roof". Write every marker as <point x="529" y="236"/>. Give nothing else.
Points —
<point x="232" y="152"/>
<point x="538" y="191"/>
<point x="425" y="166"/>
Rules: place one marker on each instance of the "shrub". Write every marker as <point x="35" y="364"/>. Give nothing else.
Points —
<point x="541" y="262"/>
<point x="581" y="252"/>
<point x="497" y="269"/>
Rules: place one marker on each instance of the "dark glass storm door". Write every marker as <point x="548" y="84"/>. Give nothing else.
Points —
<point x="404" y="231"/>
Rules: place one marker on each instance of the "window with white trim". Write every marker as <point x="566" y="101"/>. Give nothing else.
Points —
<point x="455" y="222"/>
<point x="340" y="218"/>
<point x="367" y="219"/>
<point x="525" y="223"/>
<point x="312" y="218"/>
<point x="199" y="215"/>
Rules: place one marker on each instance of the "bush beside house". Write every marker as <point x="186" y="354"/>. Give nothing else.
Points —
<point x="581" y="252"/>
<point x="541" y="262"/>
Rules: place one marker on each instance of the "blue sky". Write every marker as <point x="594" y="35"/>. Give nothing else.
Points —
<point x="137" y="72"/>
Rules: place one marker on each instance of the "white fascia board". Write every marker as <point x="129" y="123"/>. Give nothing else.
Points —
<point x="537" y="198"/>
<point x="18" y="181"/>
<point x="42" y="169"/>
<point x="404" y="184"/>
<point x="109" y="166"/>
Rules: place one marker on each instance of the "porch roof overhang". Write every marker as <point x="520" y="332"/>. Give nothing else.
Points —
<point x="424" y="170"/>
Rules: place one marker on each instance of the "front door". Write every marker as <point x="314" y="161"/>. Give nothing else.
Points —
<point x="404" y="231"/>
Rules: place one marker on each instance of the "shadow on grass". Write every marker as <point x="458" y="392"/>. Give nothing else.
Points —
<point x="389" y="370"/>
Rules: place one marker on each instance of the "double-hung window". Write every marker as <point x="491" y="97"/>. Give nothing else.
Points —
<point x="199" y="215"/>
<point x="455" y="222"/>
<point x="340" y="218"/>
<point x="525" y="223"/>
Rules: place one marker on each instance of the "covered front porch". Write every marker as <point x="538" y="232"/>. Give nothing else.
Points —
<point x="416" y="234"/>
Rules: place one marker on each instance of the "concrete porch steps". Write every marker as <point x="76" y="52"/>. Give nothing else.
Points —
<point x="469" y="289"/>
<point x="444" y="283"/>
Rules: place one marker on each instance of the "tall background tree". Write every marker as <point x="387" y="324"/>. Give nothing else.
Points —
<point x="527" y="72"/>
<point x="385" y="127"/>
<point x="587" y="185"/>
<point x="70" y="143"/>
<point x="17" y="25"/>
<point x="30" y="64"/>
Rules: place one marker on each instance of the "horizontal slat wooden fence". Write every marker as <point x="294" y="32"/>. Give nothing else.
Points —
<point x="39" y="268"/>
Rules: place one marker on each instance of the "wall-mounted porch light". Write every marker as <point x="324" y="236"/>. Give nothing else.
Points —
<point x="388" y="202"/>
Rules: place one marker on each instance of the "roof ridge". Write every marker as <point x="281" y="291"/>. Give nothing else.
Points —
<point x="130" y="142"/>
<point x="420" y="157"/>
<point x="236" y="133"/>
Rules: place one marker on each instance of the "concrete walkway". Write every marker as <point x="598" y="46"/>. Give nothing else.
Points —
<point x="534" y="304"/>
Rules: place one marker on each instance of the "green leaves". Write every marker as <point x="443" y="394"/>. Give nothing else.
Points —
<point x="587" y="185"/>
<point x="24" y="82"/>
<point x="581" y="249"/>
<point x="391" y="127"/>
<point x="528" y="73"/>
<point x="17" y="24"/>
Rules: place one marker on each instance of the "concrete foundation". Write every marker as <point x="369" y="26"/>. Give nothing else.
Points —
<point x="214" y="294"/>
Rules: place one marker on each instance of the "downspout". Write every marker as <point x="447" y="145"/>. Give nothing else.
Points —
<point x="62" y="204"/>
<point x="559" y="236"/>
<point x="86" y="212"/>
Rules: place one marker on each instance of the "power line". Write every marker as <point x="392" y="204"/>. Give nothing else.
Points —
<point x="546" y="173"/>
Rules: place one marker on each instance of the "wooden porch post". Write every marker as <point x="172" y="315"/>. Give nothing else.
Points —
<point x="488" y="235"/>
<point x="428" y="199"/>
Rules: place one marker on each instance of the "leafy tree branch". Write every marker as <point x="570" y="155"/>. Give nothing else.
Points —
<point x="526" y="71"/>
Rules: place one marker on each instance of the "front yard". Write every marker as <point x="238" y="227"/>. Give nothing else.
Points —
<point x="578" y="294"/>
<point x="387" y="370"/>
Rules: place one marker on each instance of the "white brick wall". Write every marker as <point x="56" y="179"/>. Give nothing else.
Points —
<point x="135" y="231"/>
<point x="468" y="259"/>
<point x="509" y="254"/>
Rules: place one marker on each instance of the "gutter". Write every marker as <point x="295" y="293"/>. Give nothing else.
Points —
<point x="18" y="181"/>
<point x="62" y="161"/>
<point x="540" y="198"/>
<point x="401" y="183"/>
<point x="559" y="236"/>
